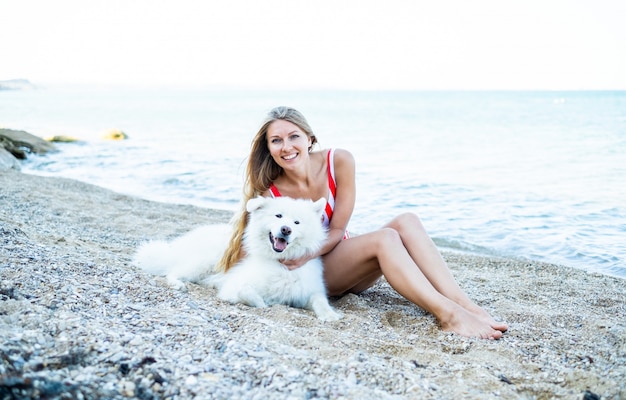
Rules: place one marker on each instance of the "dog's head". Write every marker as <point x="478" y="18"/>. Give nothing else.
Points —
<point x="284" y="228"/>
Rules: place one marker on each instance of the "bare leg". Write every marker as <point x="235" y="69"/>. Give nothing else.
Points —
<point x="427" y="257"/>
<point x="358" y="261"/>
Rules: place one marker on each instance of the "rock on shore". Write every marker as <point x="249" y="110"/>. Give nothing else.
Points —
<point x="78" y="321"/>
<point x="16" y="145"/>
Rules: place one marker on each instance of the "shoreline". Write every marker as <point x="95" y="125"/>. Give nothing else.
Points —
<point x="80" y="319"/>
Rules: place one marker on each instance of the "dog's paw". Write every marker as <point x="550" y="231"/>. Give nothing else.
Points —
<point x="253" y="301"/>
<point x="329" y="315"/>
<point x="319" y="304"/>
<point x="176" y="283"/>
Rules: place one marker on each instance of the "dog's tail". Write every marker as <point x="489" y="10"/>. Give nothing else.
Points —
<point x="156" y="257"/>
<point x="188" y="257"/>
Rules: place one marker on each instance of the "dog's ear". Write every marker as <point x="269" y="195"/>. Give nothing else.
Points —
<point x="255" y="203"/>
<point x="319" y="206"/>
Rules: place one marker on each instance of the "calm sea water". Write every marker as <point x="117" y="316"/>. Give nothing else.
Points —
<point x="530" y="175"/>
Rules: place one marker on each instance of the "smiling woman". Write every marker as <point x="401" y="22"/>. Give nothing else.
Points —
<point x="282" y="161"/>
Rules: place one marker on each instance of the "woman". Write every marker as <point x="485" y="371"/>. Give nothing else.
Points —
<point x="282" y="162"/>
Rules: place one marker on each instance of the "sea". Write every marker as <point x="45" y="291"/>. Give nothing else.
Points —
<point x="529" y="175"/>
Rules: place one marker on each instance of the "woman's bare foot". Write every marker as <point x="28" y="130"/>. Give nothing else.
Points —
<point x="468" y="324"/>
<point x="484" y="315"/>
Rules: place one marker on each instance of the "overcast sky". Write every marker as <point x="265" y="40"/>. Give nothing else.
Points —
<point x="357" y="44"/>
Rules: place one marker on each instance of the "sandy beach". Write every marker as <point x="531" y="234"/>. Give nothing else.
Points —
<point x="77" y="320"/>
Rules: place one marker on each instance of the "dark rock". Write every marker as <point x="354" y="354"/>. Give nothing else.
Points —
<point x="8" y="293"/>
<point x="589" y="395"/>
<point x="23" y="142"/>
<point x="16" y="145"/>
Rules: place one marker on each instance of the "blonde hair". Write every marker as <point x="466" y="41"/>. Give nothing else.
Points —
<point x="261" y="171"/>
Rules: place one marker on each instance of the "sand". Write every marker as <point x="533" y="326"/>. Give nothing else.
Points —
<point x="77" y="320"/>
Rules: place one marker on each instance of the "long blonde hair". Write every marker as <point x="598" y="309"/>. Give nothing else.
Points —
<point x="261" y="171"/>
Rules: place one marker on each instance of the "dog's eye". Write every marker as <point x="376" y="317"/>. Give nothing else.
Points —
<point x="296" y="222"/>
<point x="279" y="215"/>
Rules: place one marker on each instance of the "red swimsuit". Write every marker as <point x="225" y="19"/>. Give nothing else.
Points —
<point x="332" y="190"/>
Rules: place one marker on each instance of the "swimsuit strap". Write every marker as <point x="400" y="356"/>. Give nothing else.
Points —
<point x="332" y="187"/>
<point x="274" y="191"/>
<point x="332" y="190"/>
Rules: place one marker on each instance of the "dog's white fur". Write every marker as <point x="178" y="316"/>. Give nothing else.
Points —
<point x="278" y="229"/>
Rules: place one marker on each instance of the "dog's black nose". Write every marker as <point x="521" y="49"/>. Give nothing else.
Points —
<point x="285" y="230"/>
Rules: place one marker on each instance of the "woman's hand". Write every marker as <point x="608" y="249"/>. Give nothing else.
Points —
<point x="295" y="263"/>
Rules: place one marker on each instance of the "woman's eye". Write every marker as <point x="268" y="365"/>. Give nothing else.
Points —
<point x="275" y="141"/>
<point x="279" y="215"/>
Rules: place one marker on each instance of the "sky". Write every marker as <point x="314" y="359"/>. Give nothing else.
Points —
<point x="318" y="44"/>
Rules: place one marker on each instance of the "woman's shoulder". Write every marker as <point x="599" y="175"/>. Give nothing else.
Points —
<point x="343" y="161"/>
<point x="343" y="156"/>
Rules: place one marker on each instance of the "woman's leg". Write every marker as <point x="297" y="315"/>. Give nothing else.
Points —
<point x="428" y="258"/>
<point x="357" y="262"/>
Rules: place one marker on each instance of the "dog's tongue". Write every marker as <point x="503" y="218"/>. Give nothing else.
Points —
<point x="280" y="244"/>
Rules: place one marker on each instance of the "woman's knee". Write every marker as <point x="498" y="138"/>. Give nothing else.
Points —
<point x="387" y="237"/>
<point x="406" y="221"/>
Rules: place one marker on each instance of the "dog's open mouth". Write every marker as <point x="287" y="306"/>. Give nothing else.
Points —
<point x="279" y="244"/>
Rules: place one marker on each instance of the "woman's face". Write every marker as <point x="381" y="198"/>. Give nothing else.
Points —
<point x="287" y="143"/>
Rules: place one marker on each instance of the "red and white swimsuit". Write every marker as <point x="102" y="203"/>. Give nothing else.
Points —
<point x="332" y="190"/>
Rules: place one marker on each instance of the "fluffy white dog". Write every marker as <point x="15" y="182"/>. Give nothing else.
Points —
<point x="278" y="229"/>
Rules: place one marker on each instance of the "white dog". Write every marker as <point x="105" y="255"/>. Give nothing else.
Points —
<point x="277" y="229"/>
